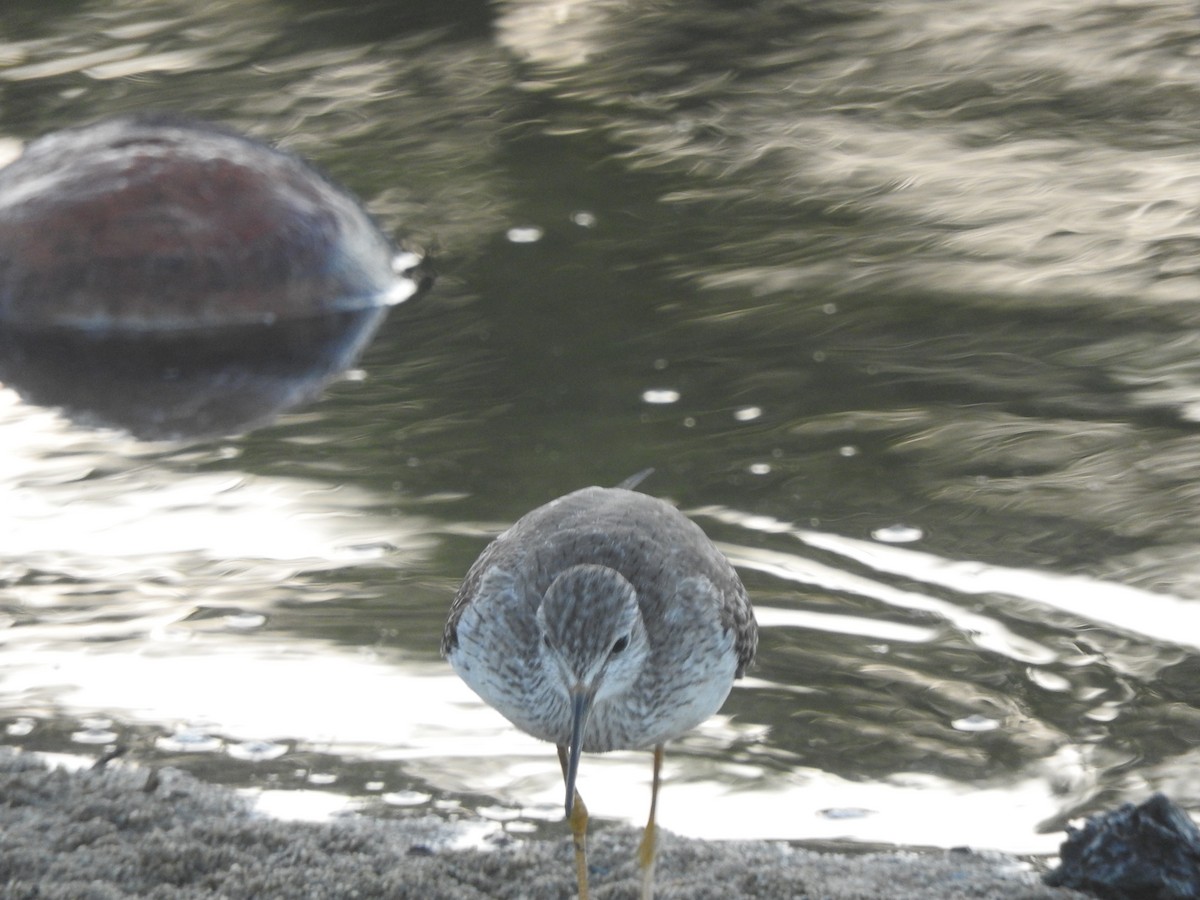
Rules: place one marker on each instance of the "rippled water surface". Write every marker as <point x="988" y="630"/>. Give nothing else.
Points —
<point x="901" y="301"/>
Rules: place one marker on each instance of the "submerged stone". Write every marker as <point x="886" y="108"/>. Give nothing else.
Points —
<point x="152" y="223"/>
<point x="179" y="280"/>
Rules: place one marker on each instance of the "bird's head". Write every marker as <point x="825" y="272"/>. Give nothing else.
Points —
<point x="593" y="642"/>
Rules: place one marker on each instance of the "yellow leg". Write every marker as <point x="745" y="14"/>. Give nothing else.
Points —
<point x="578" y="823"/>
<point x="649" y="846"/>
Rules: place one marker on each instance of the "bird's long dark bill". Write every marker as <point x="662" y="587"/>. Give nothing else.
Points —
<point x="581" y="706"/>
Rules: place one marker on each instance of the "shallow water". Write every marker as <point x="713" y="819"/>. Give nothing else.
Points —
<point x="901" y="301"/>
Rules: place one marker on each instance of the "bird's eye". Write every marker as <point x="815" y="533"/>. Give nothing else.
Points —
<point x="620" y="645"/>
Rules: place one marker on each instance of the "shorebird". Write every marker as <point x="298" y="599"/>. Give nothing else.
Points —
<point x="604" y="620"/>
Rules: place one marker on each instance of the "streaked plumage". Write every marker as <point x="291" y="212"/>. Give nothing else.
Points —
<point x="603" y="620"/>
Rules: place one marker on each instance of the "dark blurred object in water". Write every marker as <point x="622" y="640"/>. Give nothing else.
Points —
<point x="152" y="223"/>
<point x="178" y="280"/>
<point x="194" y="384"/>
<point x="1146" y="852"/>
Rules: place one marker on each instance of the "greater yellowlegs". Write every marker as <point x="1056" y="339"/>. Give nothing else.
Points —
<point x="604" y="620"/>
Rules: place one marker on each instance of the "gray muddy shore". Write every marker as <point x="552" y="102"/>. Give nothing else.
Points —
<point x="128" y="832"/>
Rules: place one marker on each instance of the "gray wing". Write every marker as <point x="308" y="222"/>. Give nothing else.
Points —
<point x="739" y="615"/>
<point x="645" y="539"/>
<point x="495" y="552"/>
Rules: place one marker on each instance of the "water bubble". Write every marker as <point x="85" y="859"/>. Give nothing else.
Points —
<point x="1049" y="681"/>
<point x="245" y="621"/>
<point x="660" y="395"/>
<point x="975" y="722"/>
<point x="322" y="778"/>
<point x="846" y="812"/>
<point x="188" y="740"/>
<point x="498" y="813"/>
<point x="406" y="798"/>
<point x="759" y="468"/>
<point x="1105" y="712"/>
<point x="898" y="534"/>
<point x="584" y="219"/>
<point x="20" y="727"/>
<point x="95" y="732"/>
<point x="848" y="450"/>
<point x="526" y="234"/>
<point x="544" y="812"/>
<point x="257" y="751"/>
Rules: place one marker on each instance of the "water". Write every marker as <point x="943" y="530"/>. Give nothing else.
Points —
<point x="900" y="301"/>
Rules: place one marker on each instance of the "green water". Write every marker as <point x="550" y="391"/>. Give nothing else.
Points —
<point x="828" y="270"/>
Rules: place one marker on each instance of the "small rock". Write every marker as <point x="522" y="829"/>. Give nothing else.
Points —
<point x="1146" y="852"/>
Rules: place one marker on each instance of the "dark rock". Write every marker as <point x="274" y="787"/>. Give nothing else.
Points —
<point x="154" y="223"/>
<point x="1146" y="852"/>
<point x="178" y="280"/>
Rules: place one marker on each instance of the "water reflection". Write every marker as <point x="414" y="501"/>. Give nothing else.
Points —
<point x="204" y="383"/>
<point x="860" y="146"/>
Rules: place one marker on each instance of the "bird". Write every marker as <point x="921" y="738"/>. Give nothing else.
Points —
<point x="603" y="620"/>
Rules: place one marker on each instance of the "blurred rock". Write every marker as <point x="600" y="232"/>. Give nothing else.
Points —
<point x="154" y="223"/>
<point x="176" y="279"/>
<point x="1146" y="852"/>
